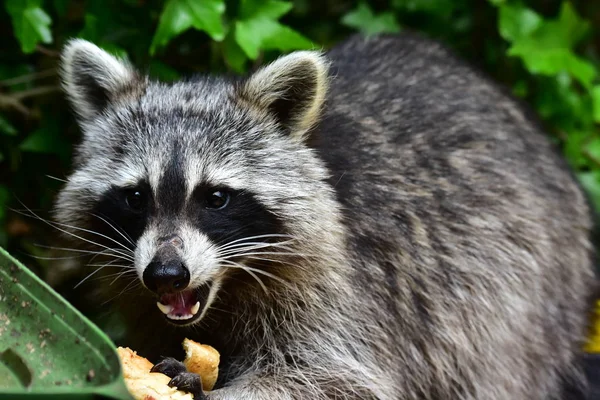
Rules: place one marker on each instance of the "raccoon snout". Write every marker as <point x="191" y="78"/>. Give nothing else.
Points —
<point x="168" y="276"/>
<point x="172" y="240"/>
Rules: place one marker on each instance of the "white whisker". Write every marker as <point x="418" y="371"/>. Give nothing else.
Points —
<point x="128" y="238"/>
<point x="248" y="269"/>
<point x="274" y="235"/>
<point x="56" y="225"/>
<point x="252" y="248"/>
<point x="56" y="179"/>
<point x="96" y="253"/>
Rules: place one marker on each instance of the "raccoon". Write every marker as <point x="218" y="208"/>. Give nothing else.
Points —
<point x="379" y="221"/>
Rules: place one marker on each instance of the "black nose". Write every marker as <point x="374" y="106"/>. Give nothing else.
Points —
<point x="166" y="277"/>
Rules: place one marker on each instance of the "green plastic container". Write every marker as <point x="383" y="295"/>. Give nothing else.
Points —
<point x="48" y="350"/>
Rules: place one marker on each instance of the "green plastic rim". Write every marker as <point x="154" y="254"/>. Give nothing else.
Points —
<point x="48" y="349"/>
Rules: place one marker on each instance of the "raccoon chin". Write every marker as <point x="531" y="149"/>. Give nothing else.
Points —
<point x="188" y="306"/>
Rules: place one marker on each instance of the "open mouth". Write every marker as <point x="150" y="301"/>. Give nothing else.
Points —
<point x="184" y="307"/>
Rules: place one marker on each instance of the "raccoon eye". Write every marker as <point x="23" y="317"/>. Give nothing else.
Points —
<point x="217" y="199"/>
<point x="135" y="200"/>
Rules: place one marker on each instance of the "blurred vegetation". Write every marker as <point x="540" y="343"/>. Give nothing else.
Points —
<point x="546" y="51"/>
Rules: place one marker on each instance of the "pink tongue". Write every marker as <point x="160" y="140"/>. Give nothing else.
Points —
<point x="181" y="302"/>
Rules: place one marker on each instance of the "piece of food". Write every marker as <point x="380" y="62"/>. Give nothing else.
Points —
<point x="145" y="385"/>
<point x="203" y="360"/>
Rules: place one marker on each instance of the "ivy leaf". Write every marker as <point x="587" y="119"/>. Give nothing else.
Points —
<point x="552" y="61"/>
<point x="181" y="15"/>
<point x="363" y="19"/>
<point x="517" y="21"/>
<point x="250" y="34"/>
<point x="285" y="39"/>
<point x="31" y="24"/>
<point x="573" y="148"/>
<point x="264" y="9"/>
<point x="547" y="49"/>
<point x="559" y="102"/>
<point x="258" y="29"/>
<point x="235" y="57"/>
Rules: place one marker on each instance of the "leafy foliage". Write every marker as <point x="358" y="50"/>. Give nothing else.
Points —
<point x="363" y="19"/>
<point x="180" y="15"/>
<point x="31" y="23"/>
<point x="545" y="50"/>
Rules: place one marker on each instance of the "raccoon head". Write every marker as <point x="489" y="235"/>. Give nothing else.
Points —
<point x="197" y="180"/>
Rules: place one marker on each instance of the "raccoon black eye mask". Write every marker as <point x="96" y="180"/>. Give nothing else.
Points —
<point x="380" y="221"/>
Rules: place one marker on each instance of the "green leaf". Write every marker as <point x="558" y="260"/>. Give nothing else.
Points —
<point x="250" y="34"/>
<point x="363" y="19"/>
<point x="591" y="182"/>
<point x="6" y="127"/>
<point x="45" y="141"/>
<point x="561" y="104"/>
<point x="90" y="28"/>
<point x="31" y="24"/>
<point x="285" y="38"/>
<point x="517" y="21"/>
<point x="234" y="55"/>
<point x="573" y="148"/>
<point x="592" y="147"/>
<point x="181" y="15"/>
<point x="162" y="71"/>
<point x="269" y="9"/>
<point x="552" y="61"/>
<point x="596" y="102"/>
<point x="114" y="50"/>
<point x="570" y="27"/>
<point x="258" y="29"/>
<point x="546" y="47"/>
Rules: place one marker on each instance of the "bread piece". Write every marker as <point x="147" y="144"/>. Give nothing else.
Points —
<point x="143" y="384"/>
<point x="203" y="360"/>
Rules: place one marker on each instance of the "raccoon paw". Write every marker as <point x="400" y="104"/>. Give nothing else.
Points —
<point x="170" y="367"/>
<point x="189" y="382"/>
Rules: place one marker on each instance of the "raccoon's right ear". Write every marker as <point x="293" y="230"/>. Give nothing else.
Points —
<point x="292" y="88"/>
<point x="92" y="78"/>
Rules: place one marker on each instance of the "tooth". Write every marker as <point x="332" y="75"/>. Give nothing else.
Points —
<point x="195" y="309"/>
<point x="164" y="308"/>
<point x="180" y="317"/>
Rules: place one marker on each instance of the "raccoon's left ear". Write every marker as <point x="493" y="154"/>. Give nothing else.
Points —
<point x="92" y="78"/>
<point x="292" y="88"/>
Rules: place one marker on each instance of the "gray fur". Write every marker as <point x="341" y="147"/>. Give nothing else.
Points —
<point x="442" y="247"/>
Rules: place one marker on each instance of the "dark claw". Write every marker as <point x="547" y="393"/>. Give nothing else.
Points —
<point x="170" y="367"/>
<point x="189" y="382"/>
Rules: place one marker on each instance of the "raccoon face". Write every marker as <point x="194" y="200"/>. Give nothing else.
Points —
<point x="195" y="180"/>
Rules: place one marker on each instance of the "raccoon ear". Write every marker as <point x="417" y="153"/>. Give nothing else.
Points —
<point x="292" y="88"/>
<point x="91" y="77"/>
